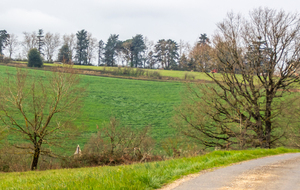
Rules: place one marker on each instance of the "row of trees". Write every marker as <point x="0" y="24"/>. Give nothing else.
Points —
<point x="84" y="49"/>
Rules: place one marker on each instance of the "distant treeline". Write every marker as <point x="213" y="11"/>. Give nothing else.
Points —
<point x="83" y="49"/>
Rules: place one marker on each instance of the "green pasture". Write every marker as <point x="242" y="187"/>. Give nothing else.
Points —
<point x="136" y="103"/>
<point x="137" y="176"/>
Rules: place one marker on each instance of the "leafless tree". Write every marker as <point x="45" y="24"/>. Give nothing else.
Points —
<point x="149" y="48"/>
<point x="118" y="142"/>
<point x="12" y="44"/>
<point x="39" y="110"/>
<point x="51" y="43"/>
<point x="183" y="48"/>
<point x="246" y="105"/>
<point x="70" y="40"/>
<point x="92" y="47"/>
<point x="200" y="56"/>
<point x="29" y="42"/>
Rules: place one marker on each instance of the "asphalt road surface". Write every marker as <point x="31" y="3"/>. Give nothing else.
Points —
<point x="281" y="172"/>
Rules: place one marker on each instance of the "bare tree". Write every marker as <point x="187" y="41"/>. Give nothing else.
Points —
<point x="200" y="56"/>
<point x="117" y="143"/>
<point x="29" y="42"/>
<point x="70" y="40"/>
<point x="183" y="48"/>
<point x="38" y="110"/>
<point x="100" y="52"/>
<point x="51" y="43"/>
<point x="93" y="43"/>
<point x="12" y="44"/>
<point x="149" y="48"/>
<point x="246" y="105"/>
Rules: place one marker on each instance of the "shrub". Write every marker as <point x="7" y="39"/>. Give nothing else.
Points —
<point x="189" y="76"/>
<point x="153" y="74"/>
<point x="34" y="58"/>
<point x="14" y="159"/>
<point x="115" y="144"/>
<point x="180" y="146"/>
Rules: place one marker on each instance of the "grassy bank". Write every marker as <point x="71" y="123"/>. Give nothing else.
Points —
<point x="137" y="176"/>
<point x="166" y="73"/>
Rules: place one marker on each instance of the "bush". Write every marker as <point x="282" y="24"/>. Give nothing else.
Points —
<point x="189" y="76"/>
<point x="115" y="144"/>
<point x="14" y="159"/>
<point x="4" y="59"/>
<point x="34" y="58"/>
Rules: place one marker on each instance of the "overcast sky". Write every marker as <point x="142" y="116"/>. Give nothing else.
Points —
<point x="155" y="19"/>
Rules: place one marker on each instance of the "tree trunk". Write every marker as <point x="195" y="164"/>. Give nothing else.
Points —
<point x="268" y="122"/>
<point x="36" y="156"/>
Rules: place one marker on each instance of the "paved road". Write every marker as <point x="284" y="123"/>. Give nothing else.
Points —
<point x="280" y="172"/>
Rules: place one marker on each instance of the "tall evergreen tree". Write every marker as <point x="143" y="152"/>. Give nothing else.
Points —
<point x="40" y="41"/>
<point x="112" y="46"/>
<point x="203" y="39"/>
<point x="137" y="47"/>
<point x="3" y="40"/>
<point x="172" y="54"/>
<point x="81" y="49"/>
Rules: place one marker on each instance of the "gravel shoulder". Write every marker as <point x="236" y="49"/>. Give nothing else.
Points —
<point x="274" y="172"/>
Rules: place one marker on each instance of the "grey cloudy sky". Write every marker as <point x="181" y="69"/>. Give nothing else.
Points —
<point x="156" y="19"/>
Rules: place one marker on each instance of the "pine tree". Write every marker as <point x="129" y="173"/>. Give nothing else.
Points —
<point x="40" y="41"/>
<point x="3" y="40"/>
<point x="137" y="47"/>
<point x="81" y="49"/>
<point x="112" y="46"/>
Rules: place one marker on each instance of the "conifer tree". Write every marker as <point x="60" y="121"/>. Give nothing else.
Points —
<point x="81" y="49"/>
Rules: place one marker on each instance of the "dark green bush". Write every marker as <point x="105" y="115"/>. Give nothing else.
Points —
<point x="34" y="58"/>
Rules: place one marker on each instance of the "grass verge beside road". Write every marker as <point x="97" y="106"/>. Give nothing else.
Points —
<point x="137" y="176"/>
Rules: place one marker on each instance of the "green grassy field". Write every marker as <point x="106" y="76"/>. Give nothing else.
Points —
<point x="137" y="176"/>
<point x="136" y="103"/>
